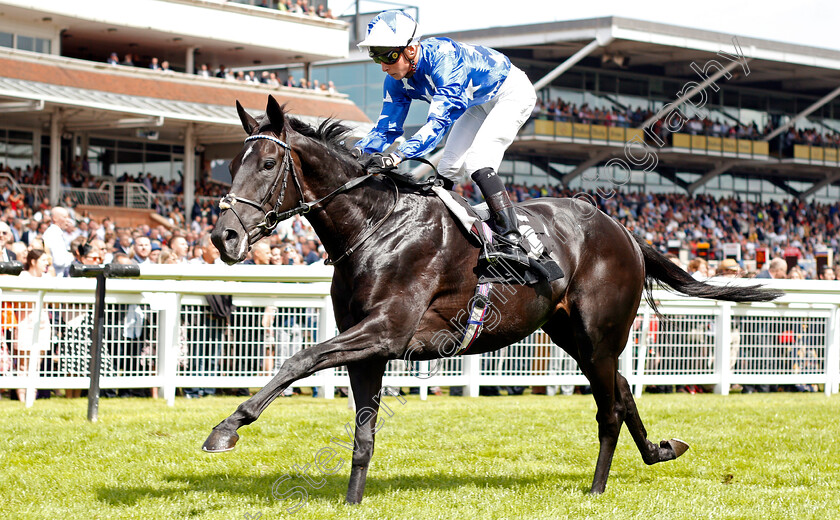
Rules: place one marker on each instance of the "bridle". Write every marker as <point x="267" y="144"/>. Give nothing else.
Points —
<point x="274" y="216"/>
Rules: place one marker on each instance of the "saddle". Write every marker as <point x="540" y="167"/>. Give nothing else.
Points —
<point x="536" y="242"/>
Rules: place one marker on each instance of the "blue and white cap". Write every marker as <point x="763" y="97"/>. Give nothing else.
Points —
<point x="391" y="28"/>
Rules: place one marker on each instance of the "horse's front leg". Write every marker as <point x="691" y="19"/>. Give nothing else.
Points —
<point x="369" y="339"/>
<point x="366" y="381"/>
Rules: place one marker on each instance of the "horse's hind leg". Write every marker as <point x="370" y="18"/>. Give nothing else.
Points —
<point x="651" y="453"/>
<point x="598" y="362"/>
<point x="601" y="373"/>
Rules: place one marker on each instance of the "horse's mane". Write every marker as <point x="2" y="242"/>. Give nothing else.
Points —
<point x="330" y="132"/>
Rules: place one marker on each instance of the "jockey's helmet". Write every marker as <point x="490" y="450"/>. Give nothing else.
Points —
<point x="392" y="29"/>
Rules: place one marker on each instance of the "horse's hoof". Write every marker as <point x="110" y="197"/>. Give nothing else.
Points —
<point x="219" y="442"/>
<point x="677" y="445"/>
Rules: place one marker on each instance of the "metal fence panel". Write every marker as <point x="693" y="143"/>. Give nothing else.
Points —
<point x="165" y="334"/>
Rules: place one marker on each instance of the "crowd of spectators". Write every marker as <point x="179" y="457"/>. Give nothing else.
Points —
<point x="292" y="6"/>
<point x="560" y="110"/>
<point x="265" y="77"/>
<point x="662" y="218"/>
<point x="270" y="78"/>
<point x="300" y="7"/>
<point x="61" y="230"/>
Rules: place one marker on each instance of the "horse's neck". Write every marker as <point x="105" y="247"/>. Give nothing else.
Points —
<point x="339" y="221"/>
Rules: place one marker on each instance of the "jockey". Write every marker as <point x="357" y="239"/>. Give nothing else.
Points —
<point x="473" y="90"/>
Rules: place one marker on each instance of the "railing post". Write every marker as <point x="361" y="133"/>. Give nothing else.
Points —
<point x="723" y="346"/>
<point x="472" y="369"/>
<point x="625" y="360"/>
<point x="638" y="377"/>
<point x="95" y="354"/>
<point x="832" y="352"/>
<point x="425" y="366"/>
<point x="170" y="308"/>
<point x="326" y="330"/>
<point x="34" y="355"/>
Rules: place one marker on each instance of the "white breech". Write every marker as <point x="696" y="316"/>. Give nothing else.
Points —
<point x="479" y="137"/>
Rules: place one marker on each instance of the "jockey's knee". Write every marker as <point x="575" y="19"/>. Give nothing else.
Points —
<point x="454" y="174"/>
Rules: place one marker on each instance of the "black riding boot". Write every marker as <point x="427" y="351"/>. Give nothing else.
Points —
<point x="504" y="218"/>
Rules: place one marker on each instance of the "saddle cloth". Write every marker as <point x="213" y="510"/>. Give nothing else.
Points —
<point x="537" y="242"/>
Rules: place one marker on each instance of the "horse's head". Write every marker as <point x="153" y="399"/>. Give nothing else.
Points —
<point x="260" y="193"/>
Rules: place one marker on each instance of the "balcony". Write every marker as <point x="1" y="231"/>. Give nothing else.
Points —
<point x="816" y="155"/>
<point x="586" y="133"/>
<point x="721" y="146"/>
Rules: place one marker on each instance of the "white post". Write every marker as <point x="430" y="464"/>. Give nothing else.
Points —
<point x="326" y="330"/>
<point x="168" y="339"/>
<point x="602" y="40"/>
<point x="625" y="360"/>
<point x="424" y="367"/>
<point x="472" y="369"/>
<point x="642" y="357"/>
<point x="832" y="353"/>
<point x="34" y="355"/>
<point x="190" y="60"/>
<point x="723" y="346"/>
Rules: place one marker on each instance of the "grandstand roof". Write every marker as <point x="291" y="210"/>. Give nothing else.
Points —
<point x="221" y="32"/>
<point x="667" y="49"/>
<point x="665" y="53"/>
<point x="100" y="96"/>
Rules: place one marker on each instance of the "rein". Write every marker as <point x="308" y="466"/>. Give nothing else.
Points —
<point x="274" y="216"/>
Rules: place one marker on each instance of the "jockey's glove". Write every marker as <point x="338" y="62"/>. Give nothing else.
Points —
<point x="379" y="163"/>
<point x="356" y="153"/>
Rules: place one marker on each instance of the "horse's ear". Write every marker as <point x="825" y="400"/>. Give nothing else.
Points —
<point x="275" y="113"/>
<point x="248" y="122"/>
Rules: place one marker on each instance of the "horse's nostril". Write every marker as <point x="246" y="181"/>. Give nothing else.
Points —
<point x="230" y="235"/>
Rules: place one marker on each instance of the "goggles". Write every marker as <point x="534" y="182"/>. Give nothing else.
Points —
<point x="386" y="56"/>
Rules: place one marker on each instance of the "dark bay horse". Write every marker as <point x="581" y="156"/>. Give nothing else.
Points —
<point x="404" y="269"/>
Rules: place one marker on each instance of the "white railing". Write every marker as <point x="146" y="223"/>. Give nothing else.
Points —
<point x="102" y="196"/>
<point x="8" y="180"/>
<point x="169" y="199"/>
<point x="161" y="332"/>
<point x="128" y="194"/>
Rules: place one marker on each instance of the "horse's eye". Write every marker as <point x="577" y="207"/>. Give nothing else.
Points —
<point x="269" y="165"/>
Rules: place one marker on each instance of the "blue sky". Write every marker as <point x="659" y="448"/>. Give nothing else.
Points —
<point x="806" y="22"/>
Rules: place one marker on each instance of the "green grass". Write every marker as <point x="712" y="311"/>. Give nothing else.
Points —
<point x="752" y="456"/>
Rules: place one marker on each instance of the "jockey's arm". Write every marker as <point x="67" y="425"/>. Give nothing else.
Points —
<point x="389" y="126"/>
<point x="448" y="103"/>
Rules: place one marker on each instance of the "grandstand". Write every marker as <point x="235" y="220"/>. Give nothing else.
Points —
<point x="617" y="64"/>
<point x="755" y="166"/>
<point x="62" y="102"/>
<point x="759" y="125"/>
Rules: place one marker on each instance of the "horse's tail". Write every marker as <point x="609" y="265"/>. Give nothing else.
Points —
<point x="658" y="267"/>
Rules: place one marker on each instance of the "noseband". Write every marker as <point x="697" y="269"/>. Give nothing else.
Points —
<point x="274" y="216"/>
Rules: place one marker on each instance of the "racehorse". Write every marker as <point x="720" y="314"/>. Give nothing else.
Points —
<point x="404" y="269"/>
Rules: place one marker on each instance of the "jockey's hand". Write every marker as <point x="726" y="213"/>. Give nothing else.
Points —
<point x="378" y="163"/>
<point x="357" y="153"/>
